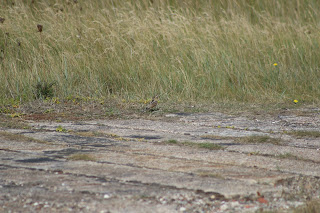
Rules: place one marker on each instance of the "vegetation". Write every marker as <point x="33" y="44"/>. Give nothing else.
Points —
<point x="83" y="157"/>
<point x="288" y="156"/>
<point x="310" y="207"/>
<point x="223" y="50"/>
<point x="210" y="146"/>
<point x="302" y="134"/>
<point x="172" y="141"/>
<point x="259" y="139"/>
<point x="20" y="138"/>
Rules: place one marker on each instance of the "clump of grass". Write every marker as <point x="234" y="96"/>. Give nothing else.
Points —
<point x="255" y="139"/>
<point x="61" y="129"/>
<point x="216" y="137"/>
<point x="310" y="207"/>
<point x="210" y="174"/>
<point x="172" y="141"/>
<point x="14" y="124"/>
<point x="305" y="134"/>
<point x="83" y="157"/>
<point x="44" y="90"/>
<point x="210" y="146"/>
<point x="288" y="156"/>
<point x="21" y="138"/>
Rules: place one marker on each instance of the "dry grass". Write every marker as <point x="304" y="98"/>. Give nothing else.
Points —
<point x="305" y="134"/>
<point x="289" y="156"/>
<point x="220" y="50"/>
<point x="21" y="138"/>
<point x="210" y="146"/>
<point x="210" y="174"/>
<point x="90" y="134"/>
<point x="310" y="207"/>
<point x="83" y="157"/>
<point x="216" y="137"/>
<point x="255" y="139"/>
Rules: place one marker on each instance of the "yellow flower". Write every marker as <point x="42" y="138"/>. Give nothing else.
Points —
<point x="295" y="101"/>
<point x="275" y="64"/>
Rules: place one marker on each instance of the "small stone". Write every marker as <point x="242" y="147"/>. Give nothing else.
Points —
<point x="171" y="115"/>
<point x="212" y="197"/>
<point x="224" y="207"/>
<point x="106" y="196"/>
<point x="182" y="209"/>
<point x="234" y="204"/>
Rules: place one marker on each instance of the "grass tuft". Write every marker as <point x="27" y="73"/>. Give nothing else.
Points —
<point x="255" y="139"/>
<point x="310" y="207"/>
<point x="83" y="157"/>
<point x="289" y="156"/>
<point x="43" y="90"/>
<point x="305" y="134"/>
<point x="172" y="142"/>
<point x="210" y="146"/>
<point x="21" y="138"/>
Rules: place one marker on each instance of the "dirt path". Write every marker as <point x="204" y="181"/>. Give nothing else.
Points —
<point x="177" y="163"/>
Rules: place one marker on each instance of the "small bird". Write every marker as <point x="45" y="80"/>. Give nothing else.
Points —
<point x="153" y="103"/>
<point x="40" y="27"/>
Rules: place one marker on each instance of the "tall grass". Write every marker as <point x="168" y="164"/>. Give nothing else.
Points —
<point x="218" y="50"/>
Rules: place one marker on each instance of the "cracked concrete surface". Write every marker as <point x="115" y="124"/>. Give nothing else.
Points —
<point x="133" y="166"/>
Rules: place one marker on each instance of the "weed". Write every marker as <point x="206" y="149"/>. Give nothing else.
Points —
<point x="112" y="112"/>
<point x="305" y="134"/>
<point x="49" y="111"/>
<point x="172" y="141"/>
<point x="83" y="157"/>
<point x="210" y="146"/>
<point x="43" y="90"/>
<point x="61" y="129"/>
<point x="12" y="124"/>
<point x="16" y="115"/>
<point x="216" y="137"/>
<point x="259" y="139"/>
<point x="254" y="153"/>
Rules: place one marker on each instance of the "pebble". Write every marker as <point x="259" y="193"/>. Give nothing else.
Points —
<point x="106" y="196"/>
<point x="182" y="209"/>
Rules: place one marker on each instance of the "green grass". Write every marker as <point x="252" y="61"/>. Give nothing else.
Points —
<point x="305" y="134"/>
<point x="255" y="139"/>
<point x="172" y="142"/>
<point x="219" y="50"/>
<point x="210" y="146"/>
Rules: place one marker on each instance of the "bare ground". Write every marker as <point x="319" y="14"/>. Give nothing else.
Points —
<point x="173" y="162"/>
